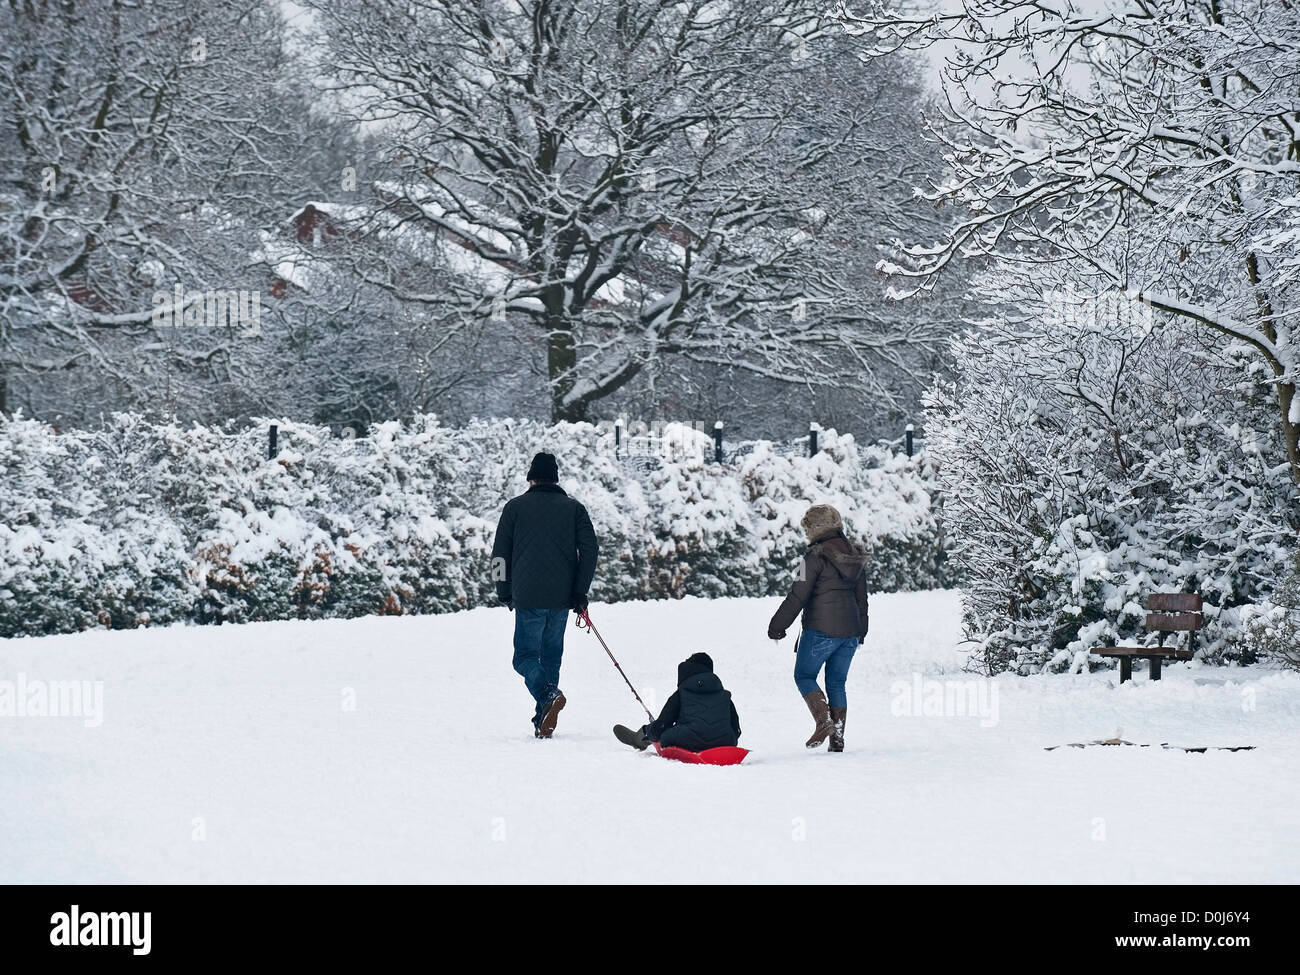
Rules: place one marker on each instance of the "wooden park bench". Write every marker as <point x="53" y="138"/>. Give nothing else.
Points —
<point x="1167" y="612"/>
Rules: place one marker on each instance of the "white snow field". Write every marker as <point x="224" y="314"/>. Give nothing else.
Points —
<point x="226" y="754"/>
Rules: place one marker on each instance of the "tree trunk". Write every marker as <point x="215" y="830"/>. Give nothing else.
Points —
<point x="561" y="362"/>
<point x="1290" y="430"/>
<point x="1285" y="390"/>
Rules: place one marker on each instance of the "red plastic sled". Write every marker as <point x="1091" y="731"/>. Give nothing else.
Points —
<point x="723" y="755"/>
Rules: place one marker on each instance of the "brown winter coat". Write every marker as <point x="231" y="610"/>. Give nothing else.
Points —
<point x="832" y="591"/>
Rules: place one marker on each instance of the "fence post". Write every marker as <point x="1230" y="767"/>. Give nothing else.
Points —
<point x="272" y="447"/>
<point x="813" y="429"/>
<point x="717" y="442"/>
<point x="908" y="435"/>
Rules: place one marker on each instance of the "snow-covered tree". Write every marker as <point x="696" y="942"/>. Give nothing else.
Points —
<point x="1152" y="147"/>
<point x="640" y="180"/>
<point x="143" y="148"/>
<point x="1093" y="450"/>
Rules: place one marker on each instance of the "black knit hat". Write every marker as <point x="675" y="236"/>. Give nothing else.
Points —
<point x="544" y="469"/>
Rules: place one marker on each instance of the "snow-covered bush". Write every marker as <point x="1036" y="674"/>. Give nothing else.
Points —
<point x="147" y="574"/>
<point x="149" y="522"/>
<point x="1086" y="463"/>
<point x="489" y="460"/>
<point x="886" y="500"/>
<point x="389" y="507"/>
<point x="1273" y="633"/>
<point x="50" y="551"/>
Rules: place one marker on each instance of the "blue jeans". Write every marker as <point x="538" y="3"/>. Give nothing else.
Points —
<point x="539" y="645"/>
<point x="836" y="653"/>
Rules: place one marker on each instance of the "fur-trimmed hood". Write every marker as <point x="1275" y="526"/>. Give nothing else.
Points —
<point x="847" y="558"/>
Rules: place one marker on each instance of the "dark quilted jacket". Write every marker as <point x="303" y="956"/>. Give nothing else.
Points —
<point x="544" y="554"/>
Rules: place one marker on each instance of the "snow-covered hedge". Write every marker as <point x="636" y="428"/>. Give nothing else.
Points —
<point x="147" y="522"/>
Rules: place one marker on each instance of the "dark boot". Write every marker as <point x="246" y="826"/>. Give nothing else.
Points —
<point x="816" y="702"/>
<point x="837" y="736"/>
<point x="550" y="713"/>
<point x="638" y="739"/>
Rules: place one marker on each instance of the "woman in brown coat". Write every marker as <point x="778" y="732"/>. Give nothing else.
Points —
<point x="831" y="591"/>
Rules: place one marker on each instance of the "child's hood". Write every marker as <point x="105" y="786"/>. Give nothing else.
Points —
<point x="707" y="683"/>
<point x="693" y="666"/>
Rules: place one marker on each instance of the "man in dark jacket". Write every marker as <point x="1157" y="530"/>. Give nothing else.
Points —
<point x="700" y="713"/>
<point x="831" y="591"/>
<point x="543" y="561"/>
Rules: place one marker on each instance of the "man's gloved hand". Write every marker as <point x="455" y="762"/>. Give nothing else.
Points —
<point x="775" y="634"/>
<point x="579" y="604"/>
<point x="860" y="640"/>
<point x="509" y="604"/>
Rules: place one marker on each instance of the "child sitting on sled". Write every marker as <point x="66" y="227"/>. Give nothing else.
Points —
<point x="699" y="714"/>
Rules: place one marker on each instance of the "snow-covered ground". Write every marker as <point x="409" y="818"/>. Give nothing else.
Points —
<point x="230" y="754"/>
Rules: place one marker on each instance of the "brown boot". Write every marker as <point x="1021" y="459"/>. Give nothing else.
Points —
<point x="816" y="702"/>
<point x="837" y="736"/>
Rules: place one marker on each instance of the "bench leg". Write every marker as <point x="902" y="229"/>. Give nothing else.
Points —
<point x="1125" y="669"/>
<point x="1155" y="668"/>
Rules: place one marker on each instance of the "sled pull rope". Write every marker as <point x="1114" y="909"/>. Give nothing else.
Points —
<point x="583" y="622"/>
